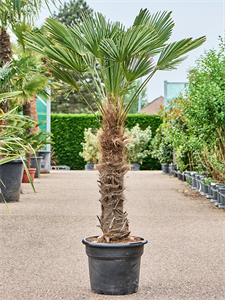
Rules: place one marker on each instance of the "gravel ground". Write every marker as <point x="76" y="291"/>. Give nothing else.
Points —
<point x="42" y="256"/>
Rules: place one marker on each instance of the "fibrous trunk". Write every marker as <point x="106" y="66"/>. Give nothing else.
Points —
<point x="113" y="167"/>
<point x="5" y="56"/>
<point x="5" y="47"/>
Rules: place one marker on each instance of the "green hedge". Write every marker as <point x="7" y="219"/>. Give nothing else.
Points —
<point x="68" y="133"/>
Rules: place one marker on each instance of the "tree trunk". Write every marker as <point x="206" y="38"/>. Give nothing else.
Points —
<point x="113" y="167"/>
<point x="5" y="55"/>
<point x="5" y="47"/>
<point x="30" y="109"/>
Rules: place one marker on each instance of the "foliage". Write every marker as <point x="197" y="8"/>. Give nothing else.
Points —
<point x="161" y="148"/>
<point x="68" y="134"/>
<point x="66" y="101"/>
<point x="90" y="151"/>
<point x="72" y="11"/>
<point x="196" y="121"/>
<point x="19" y="128"/>
<point x="138" y="141"/>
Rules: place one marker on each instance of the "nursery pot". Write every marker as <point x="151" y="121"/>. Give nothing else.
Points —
<point x="222" y="198"/>
<point x="25" y="178"/>
<point x="181" y="176"/>
<point x="204" y="189"/>
<point x="114" y="267"/>
<point x="165" y="169"/>
<point x="45" y="161"/>
<point x="188" y="177"/>
<point x="219" y="187"/>
<point x="193" y="180"/>
<point x="36" y="164"/>
<point x="198" y="185"/>
<point x="135" y="166"/>
<point x="11" y="176"/>
<point x="210" y="192"/>
<point x="89" y="167"/>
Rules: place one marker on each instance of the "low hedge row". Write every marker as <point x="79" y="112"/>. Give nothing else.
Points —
<point x="68" y="133"/>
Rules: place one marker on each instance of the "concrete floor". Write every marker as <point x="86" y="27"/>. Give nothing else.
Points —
<point x="42" y="256"/>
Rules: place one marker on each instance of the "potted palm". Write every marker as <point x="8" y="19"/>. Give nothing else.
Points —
<point x="90" y="151"/>
<point x="136" y="147"/>
<point x="115" y="57"/>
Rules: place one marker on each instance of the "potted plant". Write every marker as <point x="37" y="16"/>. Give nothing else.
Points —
<point x="162" y="149"/>
<point x="115" y="57"/>
<point x="136" y="147"/>
<point x="12" y="151"/>
<point x="90" y="151"/>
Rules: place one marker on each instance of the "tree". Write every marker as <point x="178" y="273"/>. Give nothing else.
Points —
<point x="11" y="14"/>
<point x="66" y="101"/>
<point x="123" y="56"/>
<point x="72" y="11"/>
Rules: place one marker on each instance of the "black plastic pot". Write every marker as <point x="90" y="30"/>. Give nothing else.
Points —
<point x="36" y="164"/>
<point x="89" y="167"/>
<point x="11" y="176"/>
<point x="198" y="182"/>
<point x="210" y="192"/>
<point x="165" y="168"/>
<point x="204" y="189"/>
<point x="188" y="177"/>
<point x="219" y="187"/>
<point x="222" y="198"/>
<point x="135" y="166"/>
<point x="181" y="176"/>
<point x="114" y="268"/>
<point x="45" y="161"/>
<point x="193" y="180"/>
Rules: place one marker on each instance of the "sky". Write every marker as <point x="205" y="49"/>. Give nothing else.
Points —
<point x="192" y="19"/>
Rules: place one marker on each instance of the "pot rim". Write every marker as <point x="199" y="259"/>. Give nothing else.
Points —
<point x="113" y="245"/>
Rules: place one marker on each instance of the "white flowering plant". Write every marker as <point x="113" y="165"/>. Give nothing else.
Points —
<point x="136" y="149"/>
<point x="90" y="147"/>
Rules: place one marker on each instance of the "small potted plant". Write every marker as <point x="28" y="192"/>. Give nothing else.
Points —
<point x="12" y="152"/>
<point x="136" y="147"/>
<point x="90" y="149"/>
<point x="162" y="149"/>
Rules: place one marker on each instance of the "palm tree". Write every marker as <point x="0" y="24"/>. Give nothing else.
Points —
<point x="122" y="56"/>
<point x="11" y="14"/>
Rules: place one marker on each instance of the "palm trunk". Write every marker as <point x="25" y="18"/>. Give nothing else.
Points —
<point x="5" y="55"/>
<point x="113" y="167"/>
<point x="30" y="109"/>
<point x="5" y="47"/>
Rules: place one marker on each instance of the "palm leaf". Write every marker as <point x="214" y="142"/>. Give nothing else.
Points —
<point x="66" y="58"/>
<point x="170" y="57"/>
<point x="162" y="24"/>
<point x="63" y="75"/>
<point x="64" y="36"/>
<point x="137" y="67"/>
<point x="135" y="40"/>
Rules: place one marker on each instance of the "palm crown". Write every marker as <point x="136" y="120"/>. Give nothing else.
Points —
<point x="122" y="56"/>
<point x="115" y="57"/>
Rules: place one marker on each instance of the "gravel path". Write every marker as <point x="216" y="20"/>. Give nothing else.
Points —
<point x="42" y="256"/>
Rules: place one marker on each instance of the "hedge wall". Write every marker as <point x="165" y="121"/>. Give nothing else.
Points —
<point x="68" y="133"/>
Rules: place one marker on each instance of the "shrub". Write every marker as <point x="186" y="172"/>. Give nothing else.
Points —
<point x="138" y="142"/>
<point x="68" y="134"/>
<point x="90" y="147"/>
